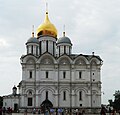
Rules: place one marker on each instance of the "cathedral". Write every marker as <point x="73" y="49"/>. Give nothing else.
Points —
<point x="53" y="76"/>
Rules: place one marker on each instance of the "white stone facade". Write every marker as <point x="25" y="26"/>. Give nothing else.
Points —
<point x="72" y="76"/>
<point x="50" y="71"/>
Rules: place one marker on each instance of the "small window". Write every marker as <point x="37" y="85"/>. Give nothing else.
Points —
<point x="80" y="95"/>
<point x="32" y="49"/>
<point x="30" y="92"/>
<point x="30" y="74"/>
<point x="36" y="50"/>
<point x="64" y="49"/>
<point x="64" y="95"/>
<point x="27" y="50"/>
<point x="29" y="101"/>
<point x="47" y="45"/>
<point x="80" y="74"/>
<point x="46" y="94"/>
<point x="46" y="74"/>
<point x="80" y="105"/>
<point x="64" y="75"/>
<point x="93" y="74"/>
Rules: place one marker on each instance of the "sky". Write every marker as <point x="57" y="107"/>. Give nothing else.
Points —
<point x="92" y="26"/>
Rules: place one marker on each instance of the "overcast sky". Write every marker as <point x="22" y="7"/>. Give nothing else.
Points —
<point x="92" y="25"/>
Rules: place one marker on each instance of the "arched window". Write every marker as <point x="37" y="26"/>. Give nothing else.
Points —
<point x="80" y="74"/>
<point x="46" y="74"/>
<point x="64" y="74"/>
<point x="64" y="95"/>
<point x="29" y="101"/>
<point x="30" y="74"/>
<point x="30" y="93"/>
<point x="46" y="94"/>
<point x="32" y="49"/>
<point x="80" y="95"/>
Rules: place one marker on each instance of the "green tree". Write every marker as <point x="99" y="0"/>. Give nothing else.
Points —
<point x="116" y="103"/>
<point x="110" y="102"/>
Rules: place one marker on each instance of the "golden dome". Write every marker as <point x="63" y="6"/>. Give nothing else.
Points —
<point x="47" y="28"/>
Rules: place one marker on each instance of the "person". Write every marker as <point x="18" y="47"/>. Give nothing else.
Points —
<point x="0" y="110"/>
<point x="114" y="112"/>
<point x="25" y="112"/>
<point x="46" y="112"/>
<point x="119" y="112"/>
<point x="8" y="110"/>
<point x="109" y="110"/>
<point x="39" y="111"/>
<point x="80" y="112"/>
<point x="4" y="110"/>
<point x="83" y="111"/>
<point x="34" y="111"/>
<point x="11" y="111"/>
<point x="103" y="111"/>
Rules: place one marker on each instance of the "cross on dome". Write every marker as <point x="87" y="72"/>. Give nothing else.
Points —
<point x="47" y="28"/>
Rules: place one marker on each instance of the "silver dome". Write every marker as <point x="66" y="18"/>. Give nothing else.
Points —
<point x="64" y="40"/>
<point x="33" y="40"/>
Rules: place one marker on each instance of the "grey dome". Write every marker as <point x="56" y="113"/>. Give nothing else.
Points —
<point x="14" y="87"/>
<point x="64" y="39"/>
<point x="33" y="40"/>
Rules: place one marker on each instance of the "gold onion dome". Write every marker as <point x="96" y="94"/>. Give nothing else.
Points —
<point x="47" y="28"/>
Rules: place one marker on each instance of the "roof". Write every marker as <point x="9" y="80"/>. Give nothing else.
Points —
<point x="64" y="39"/>
<point x="14" y="87"/>
<point x="33" y="40"/>
<point x="47" y="28"/>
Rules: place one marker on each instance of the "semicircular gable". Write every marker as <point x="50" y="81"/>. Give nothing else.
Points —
<point x="81" y="60"/>
<point x="64" y="60"/>
<point x="29" y="59"/>
<point x="29" y="90"/>
<point x="46" y="59"/>
<point x="81" y="89"/>
<point x="95" y="92"/>
<point x="95" y="61"/>
<point x="46" y="88"/>
<point x="64" y="89"/>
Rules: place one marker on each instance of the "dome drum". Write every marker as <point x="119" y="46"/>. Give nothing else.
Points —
<point x="33" y="46"/>
<point x="46" y="37"/>
<point x="63" y="44"/>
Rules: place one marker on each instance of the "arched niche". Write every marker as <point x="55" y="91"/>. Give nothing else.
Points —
<point x="64" y="60"/>
<point x="46" y="59"/>
<point x="29" y="92"/>
<point x="81" y="89"/>
<point x="95" y="61"/>
<point x="29" y="59"/>
<point x="81" y="60"/>
<point x="46" y="89"/>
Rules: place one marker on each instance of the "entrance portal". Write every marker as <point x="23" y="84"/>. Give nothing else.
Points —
<point x="46" y="104"/>
<point x="15" y="107"/>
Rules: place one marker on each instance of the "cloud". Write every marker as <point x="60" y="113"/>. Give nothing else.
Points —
<point x="3" y="43"/>
<point x="92" y="25"/>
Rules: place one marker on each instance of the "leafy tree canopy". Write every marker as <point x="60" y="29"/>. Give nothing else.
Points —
<point x="116" y="102"/>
